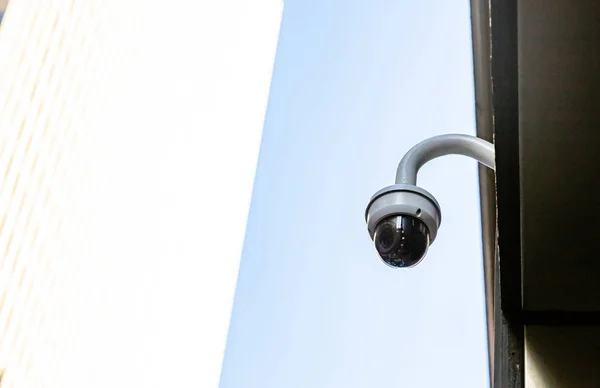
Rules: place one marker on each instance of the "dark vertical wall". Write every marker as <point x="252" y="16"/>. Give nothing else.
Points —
<point x="559" y="93"/>
<point x="509" y="355"/>
<point x="559" y="161"/>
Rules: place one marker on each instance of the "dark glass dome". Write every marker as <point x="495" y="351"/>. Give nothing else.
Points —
<point x="401" y="241"/>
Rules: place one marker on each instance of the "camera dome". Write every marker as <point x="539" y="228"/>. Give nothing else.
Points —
<point x="402" y="221"/>
<point x="401" y="241"/>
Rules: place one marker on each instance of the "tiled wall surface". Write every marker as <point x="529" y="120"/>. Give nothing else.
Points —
<point x="104" y="106"/>
<point x="41" y="125"/>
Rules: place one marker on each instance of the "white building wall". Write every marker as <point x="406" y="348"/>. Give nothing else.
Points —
<point x="129" y="134"/>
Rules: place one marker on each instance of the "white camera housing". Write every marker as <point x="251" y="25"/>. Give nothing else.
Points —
<point x="405" y="200"/>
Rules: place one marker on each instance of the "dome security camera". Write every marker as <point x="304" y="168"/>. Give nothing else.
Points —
<point x="403" y="219"/>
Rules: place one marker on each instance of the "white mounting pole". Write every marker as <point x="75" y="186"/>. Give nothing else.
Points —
<point x="437" y="146"/>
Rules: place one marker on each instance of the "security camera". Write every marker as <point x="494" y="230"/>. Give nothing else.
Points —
<point x="403" y="219"/>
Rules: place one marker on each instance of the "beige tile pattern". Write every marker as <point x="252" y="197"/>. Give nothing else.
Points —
<point x="42" y="44"/>
<point x="103" y="276"/>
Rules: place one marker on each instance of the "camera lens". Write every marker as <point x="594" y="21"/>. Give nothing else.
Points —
<point x="387" y="238"/>
<point x="401" y="241"/>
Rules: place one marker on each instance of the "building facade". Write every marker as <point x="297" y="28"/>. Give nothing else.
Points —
<point x="114" y="115"/>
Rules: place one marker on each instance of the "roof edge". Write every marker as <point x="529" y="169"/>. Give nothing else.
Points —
<point x="482" y="73"/>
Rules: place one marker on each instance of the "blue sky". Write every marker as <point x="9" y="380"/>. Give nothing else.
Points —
<point x="355" y="85"/>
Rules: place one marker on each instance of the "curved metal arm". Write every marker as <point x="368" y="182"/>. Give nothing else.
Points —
<point x="437" y="146"/>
